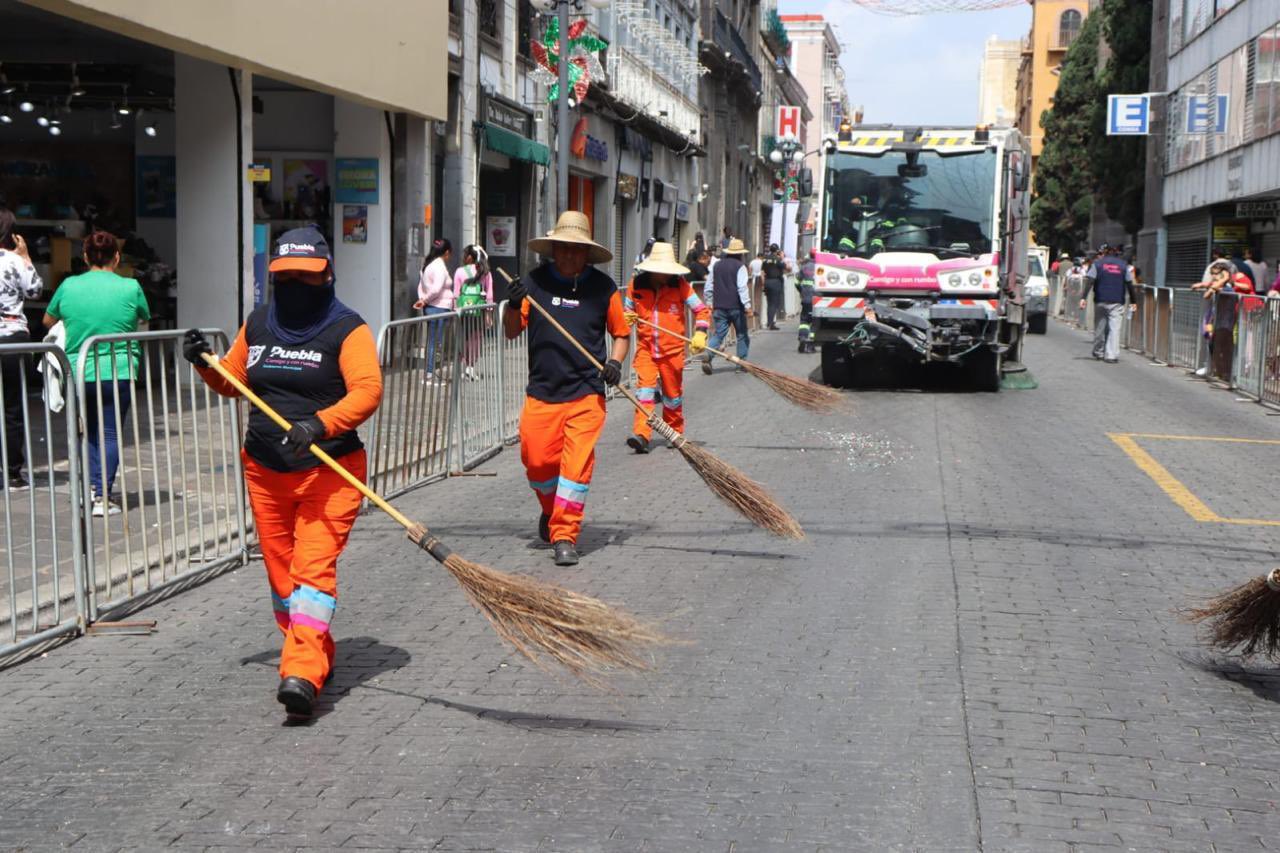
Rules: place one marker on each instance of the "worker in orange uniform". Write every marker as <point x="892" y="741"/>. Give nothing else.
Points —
<point x="659" y="294"/>
<point x="314" y="361"/>
<point x="564" y="403"/>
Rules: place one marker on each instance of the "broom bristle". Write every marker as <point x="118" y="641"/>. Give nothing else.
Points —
<point x="805" y="394"/>
<point x="739" y="491"/>
<point x="543" y="621"/>
<point x="1246" y="617"/>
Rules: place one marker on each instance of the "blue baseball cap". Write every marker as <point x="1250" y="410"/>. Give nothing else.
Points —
<point x="301" y="249"/>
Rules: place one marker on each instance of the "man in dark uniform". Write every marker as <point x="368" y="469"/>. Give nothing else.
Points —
<point x="806" y="280"/>
<point x="1110" y="277"/>
<point x="772" y="271"/>
<point x="728" y="295"/>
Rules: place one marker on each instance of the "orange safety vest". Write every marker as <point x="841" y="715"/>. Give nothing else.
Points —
<point x="665" y="307"/>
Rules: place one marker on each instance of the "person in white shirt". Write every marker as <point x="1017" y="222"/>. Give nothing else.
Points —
<point x="1259" y="267"/>
<point x="728" y="295"/>
<point x="19" y="281"/>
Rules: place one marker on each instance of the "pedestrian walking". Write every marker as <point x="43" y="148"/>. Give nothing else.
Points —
<point x="564" y="401"/>
<point x="472" y="286"/>
<point x="1111" y="277"/>
<point x="313" y="360"/>
<point x="729" y="298"/>
<point x="806" y="281"/>
<point x="99" y="302"/>
<point x="660" y="293"/>
<point x="773" y="268"/>
<point x="19" y="282"/>
<point x="435" y="296"/>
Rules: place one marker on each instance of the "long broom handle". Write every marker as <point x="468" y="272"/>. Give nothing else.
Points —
<point x="688" y="340"/>
<point x="320" y="454"/>
<point x="595" y="362"/>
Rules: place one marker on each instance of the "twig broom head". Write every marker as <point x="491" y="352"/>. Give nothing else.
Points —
<point x="1247" y="617"/>
<point x="547" y="623"/>
<point x="732" y="486"/>
<point x="803" y="393"/>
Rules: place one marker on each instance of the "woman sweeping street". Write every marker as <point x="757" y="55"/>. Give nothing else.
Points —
<point x="660" y="294"/>
<point x="314" y="360"/>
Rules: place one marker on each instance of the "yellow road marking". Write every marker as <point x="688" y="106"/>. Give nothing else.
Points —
<point x="1172" y="486"/>
<point x="1162" y="437"/>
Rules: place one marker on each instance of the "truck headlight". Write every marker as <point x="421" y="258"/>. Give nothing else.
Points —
<point x="853" y="280"/>
<point x="833" y="276"/>
<point x="953" y="280"/>
<point x="975" y="279"/>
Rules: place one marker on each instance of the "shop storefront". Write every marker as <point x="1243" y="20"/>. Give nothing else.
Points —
<point x="509" y="158"/>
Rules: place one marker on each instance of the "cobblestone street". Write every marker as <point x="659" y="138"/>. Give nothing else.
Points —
<point x="976" y="649"/>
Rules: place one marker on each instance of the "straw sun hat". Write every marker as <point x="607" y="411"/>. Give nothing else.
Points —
<point x="662" y="259"/>
<point x="735" y="247"/>
<point x="572" y="227"/>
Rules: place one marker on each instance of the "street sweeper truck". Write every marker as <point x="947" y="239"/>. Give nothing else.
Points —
<point x="922" y="251"/>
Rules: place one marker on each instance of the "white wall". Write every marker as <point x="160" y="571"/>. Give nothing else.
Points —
<point x="293" y="121"/>
<point x="207" y="240"/>
<point x="364" y="269"/>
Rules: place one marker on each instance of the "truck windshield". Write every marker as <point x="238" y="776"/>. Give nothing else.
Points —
<point x="941" y="205"/>
<point x="1034" y="267"/>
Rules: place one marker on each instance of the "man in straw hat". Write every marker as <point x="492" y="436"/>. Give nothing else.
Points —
<point x="659" y="293"/>
<point x="564" y="403"/>
<point x="729" y="298"/>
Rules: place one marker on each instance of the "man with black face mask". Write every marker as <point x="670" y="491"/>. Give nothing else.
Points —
<point x="314" y="361"/>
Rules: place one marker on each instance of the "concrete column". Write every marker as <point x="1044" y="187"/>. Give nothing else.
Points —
<point x="411" y="173"/>
<point x="461" y="172"/>
<point x="214" y="256"/>
<point x="364" y="269"/>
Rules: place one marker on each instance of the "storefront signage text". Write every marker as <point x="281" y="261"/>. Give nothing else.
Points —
<point x="507" y="116"/>
<point x="357" y="179"/>
<point x="1268" y="209"/>
<point x="585" y="146"/>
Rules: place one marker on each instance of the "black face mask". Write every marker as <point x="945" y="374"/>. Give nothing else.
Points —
<point x="299" y="305"/>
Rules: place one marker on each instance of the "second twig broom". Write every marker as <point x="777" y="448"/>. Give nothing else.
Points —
<point x="801" y="392"/>
<point x="729" y="484"/>
<point x="1246" y="617"/>
<point x="541" y="621"/>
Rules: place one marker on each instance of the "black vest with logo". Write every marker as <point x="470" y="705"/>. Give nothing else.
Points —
<point x="773" y="268"/>
<point x="724" y="284"/>
<point x="557" y="372"/>
<point x="1111" y="272"/>
<point x="297" y="380"/>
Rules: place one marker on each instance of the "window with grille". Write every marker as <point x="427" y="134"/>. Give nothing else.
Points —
<point x="1069" y="27"/>
<point x="526" y="22"/>
<point x="490" y="22"/>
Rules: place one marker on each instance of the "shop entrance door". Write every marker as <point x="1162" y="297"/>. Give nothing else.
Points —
<point x="501" y="229"/>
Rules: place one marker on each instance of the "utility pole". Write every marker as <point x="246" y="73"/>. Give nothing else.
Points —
<point x="562" y="115"/>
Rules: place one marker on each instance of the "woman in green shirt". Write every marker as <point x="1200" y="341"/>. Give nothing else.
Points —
<point x="99" y="302"/>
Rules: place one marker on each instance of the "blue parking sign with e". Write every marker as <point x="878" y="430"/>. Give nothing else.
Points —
<point x="1199" y="114"/>
<point x="1128" y="115"/>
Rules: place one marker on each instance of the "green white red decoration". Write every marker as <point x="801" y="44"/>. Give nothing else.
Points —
<point x="584" y="65"/>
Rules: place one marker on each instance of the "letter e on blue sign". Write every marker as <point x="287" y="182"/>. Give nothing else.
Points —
<point x="1128" y="115"/>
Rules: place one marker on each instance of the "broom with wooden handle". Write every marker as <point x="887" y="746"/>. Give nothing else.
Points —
<point x="801" y="392"/>
<point x="539" y="620"/>
<point x="729" y="484"/>
<point x="1245" y="618"/>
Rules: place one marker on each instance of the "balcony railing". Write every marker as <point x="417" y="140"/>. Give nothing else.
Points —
<point x="726" y="37"/>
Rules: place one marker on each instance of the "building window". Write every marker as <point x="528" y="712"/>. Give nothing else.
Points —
<point x="490" y="18"/>
<point x="1069" y="27"/>
<point x="525" y="21"/>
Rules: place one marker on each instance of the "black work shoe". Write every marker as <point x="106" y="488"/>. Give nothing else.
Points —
<point x="18" y="483"/>
<point x="297" y="695"/>
<point x="801" y="347"/>
<point x="638" y="444"/>
<point x="1112" y="360"/>
<point x="544" y="527"/>
<point x="566" y="554"/>
<point x="706" y="366"/>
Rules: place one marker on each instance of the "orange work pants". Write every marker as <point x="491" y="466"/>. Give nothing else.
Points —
<point x="303" y="519"/>
<point x="558" y="449"/>
<point x="659" y="378"/>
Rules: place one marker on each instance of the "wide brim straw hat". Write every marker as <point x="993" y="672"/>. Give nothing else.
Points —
<point x="662" y="259"/>
<point x="572" y="227"/>
<point x="735" y="247"/>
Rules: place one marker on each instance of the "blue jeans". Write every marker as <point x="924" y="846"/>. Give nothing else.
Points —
<point x="435" y="334"/>
<point x="107" y="415"/>
<point x="723" y="317"/>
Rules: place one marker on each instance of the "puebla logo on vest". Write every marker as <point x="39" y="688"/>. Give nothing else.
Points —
<point x="564" y="302"/>
<point x="297" y="354"/>
<point x="279" y="358"/>
<point x="255" y="355"/>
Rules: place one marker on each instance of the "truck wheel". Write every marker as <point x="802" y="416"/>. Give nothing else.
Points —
<point x="984" y="370"/>
<point x="1037" y="324"/>
<point x="837" y="365"/>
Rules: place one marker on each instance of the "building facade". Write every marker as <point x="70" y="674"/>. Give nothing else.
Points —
<point x="782" y="209"/>
<point x="1055" y="24"/>
<point x="1217" y="183"/>
<point x="998" y="82"/>
<point x="815" y="59"/>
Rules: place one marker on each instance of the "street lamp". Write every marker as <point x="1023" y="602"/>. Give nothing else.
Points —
<point x="561" y="8"/>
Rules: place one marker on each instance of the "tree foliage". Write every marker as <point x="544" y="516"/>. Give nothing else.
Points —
<point x="1064" y="184"/>
<point x="1119" y="162"/>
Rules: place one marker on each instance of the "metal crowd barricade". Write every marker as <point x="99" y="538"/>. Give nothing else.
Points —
<point x="1248" y="364"/>
<point x="1270" y="356"/>
<point x="181" y="507"/>
<point x="43" y="594"/>
<point x="1186" y="339"/>
<point x="478" y="384"/>
<point x="412" y="440"/>
<point x="514" y="359"/>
